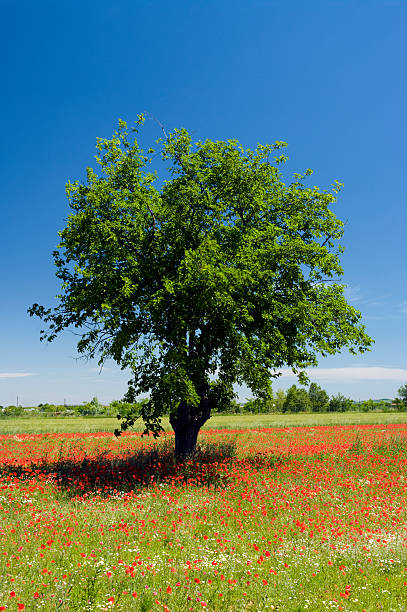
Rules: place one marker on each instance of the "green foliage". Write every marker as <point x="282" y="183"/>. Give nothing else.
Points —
<point x="129" y="411"/>
<point x="318" y="398"/>
<point x="92" y="408"/>
<point x="403" y="393"/>
<point x="296" y="400"/>
<point x="260" y="406"/>
<point x="231" y="407"/>
<point x="220" y="272"/>
<point x="369" y="404"/>
<point x="47" y="409"/>
<point x="339" y="403"/>
<point x="12" y="411"/>
<point x="279" y="399"/>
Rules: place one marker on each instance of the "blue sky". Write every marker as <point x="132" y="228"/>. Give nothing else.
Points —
<point x="327" y="77"/>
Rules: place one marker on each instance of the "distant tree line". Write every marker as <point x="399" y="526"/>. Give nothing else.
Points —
<point x="294" y="400"/>
<point x="93" y="408"/>
<point x="315" y="399"/>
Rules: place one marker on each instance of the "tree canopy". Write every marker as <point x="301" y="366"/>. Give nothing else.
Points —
<point x="217" y="273"/>
<point x="339" y="403"/>
<point x="318" y="397"/>
<point x="297" y="400"/>
<point x="403" y="393"/>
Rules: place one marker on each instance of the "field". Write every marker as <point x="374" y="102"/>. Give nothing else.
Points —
<point x="291" y="517"/>
<point x="218" y="421"/>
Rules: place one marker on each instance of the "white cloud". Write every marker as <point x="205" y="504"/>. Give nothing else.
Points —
<point x="353" y="294"/>
<point x="14" y="374"/>
<point x="403" y="307"/>
<point x="352" y="374"/>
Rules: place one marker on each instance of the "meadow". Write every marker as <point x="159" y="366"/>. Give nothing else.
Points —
<point x="76" y="424"/>
<point x="279" y="512"/>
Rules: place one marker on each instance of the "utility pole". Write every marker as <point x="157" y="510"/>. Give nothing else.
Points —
<point x="17" y="401"/>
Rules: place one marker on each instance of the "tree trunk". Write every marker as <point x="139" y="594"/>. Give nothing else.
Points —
<point x="185" y="440"/>
<point x="186" y="423"/>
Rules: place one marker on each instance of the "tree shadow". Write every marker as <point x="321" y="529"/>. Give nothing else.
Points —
<point x="107" y="474"/>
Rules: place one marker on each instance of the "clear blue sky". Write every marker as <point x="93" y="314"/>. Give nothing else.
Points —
<point x="328" y="77"/>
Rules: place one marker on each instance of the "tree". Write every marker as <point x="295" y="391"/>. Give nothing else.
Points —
<point x="370" y="404"/>
<point x="402" y="392"/>
<point x="13" y="411"/>
<point x="260" y="406"/>
<point x="92" y="408"/>
<point x="230" y="407"/>
<point x="296" y="400"/>
<point x="279" y="400"/>
<point x="220" y="274"/>
<point x="318" y="398"/>
<point x="399" y="405"/>
<point x="339" y="403"/>
<point x="47" y="408"/>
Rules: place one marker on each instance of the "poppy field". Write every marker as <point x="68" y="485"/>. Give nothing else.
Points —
<point x="288" y="519"/>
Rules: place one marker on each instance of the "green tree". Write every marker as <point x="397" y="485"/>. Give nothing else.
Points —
<point x="230" y="407"/>
<point x="213" y="276"/>
<point x="260" y="406"/>
<point x="339" y="403"/>
<point x="47" y="409"/>
<point x="369" y="405"/>
<point x="399" y="405"/>
<point x="279" y="399"/>
<point x="318" y="398"/>
<point x="296" y="400"/>
<point x="13" y="411"/>
<point x="92" y="408"/>
<point x="402" y="392"/>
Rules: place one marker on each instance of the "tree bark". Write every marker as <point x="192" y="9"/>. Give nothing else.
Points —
<point x="186" y="423"/>
<point x="185" y="441"/>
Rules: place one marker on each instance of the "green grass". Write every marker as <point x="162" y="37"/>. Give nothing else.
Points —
<point x="229" y="421"/>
